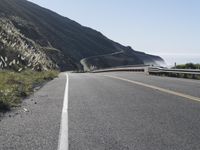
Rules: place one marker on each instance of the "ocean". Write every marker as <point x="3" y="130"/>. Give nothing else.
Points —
<point x="171" y="59"/>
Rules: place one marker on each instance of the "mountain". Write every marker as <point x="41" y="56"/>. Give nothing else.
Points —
<point x="37" y="38"/>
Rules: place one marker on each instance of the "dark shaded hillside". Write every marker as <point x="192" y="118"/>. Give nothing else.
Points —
<point x="61" y="40"/>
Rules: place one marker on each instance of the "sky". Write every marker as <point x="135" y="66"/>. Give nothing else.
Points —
<point x="169" y="28"/>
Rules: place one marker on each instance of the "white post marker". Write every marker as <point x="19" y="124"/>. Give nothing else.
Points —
<point x="63" y="137"/>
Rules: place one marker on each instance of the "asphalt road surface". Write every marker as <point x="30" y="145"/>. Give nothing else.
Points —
<point x="107" y="111"/>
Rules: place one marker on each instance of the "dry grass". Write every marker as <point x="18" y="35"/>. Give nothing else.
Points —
<point x="15" y="86"/>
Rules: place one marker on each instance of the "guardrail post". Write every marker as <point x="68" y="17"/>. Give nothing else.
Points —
<point x="146" y="70"/>
<point x="193" y="76"/>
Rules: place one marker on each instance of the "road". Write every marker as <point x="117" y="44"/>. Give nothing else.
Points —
<point x="107" y="111"/>
<point x="84" y="60"/>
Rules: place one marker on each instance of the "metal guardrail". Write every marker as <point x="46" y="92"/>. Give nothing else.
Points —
<point x="150" y="70"/>
<point x="136" y="68"/>
<point x="158" y="70"/>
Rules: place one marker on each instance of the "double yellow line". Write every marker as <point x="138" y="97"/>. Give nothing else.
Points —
<point x="157" y="88"/>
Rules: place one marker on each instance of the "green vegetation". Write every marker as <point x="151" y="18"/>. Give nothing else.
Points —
<point x="188" y="66"/>
<point x="15" y="86"/>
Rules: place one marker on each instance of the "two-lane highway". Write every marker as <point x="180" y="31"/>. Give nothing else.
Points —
<point x="108" y="111"/>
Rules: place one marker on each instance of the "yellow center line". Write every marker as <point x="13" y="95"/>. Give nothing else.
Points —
<point x="157" y="88"/>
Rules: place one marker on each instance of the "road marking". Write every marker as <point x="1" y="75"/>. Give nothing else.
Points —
<point x="157" y="88"/>
<point x="63" y="137"/>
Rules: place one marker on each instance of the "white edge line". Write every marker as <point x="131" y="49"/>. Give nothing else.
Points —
<point x="63" y="136"/>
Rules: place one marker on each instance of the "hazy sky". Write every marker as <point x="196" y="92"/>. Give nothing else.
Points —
<point x="164" y="27"/>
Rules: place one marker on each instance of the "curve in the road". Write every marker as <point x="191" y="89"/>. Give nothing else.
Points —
<point x="83" y="61"/>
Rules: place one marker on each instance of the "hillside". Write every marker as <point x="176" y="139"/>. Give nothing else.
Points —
<point x="37" y="38"/>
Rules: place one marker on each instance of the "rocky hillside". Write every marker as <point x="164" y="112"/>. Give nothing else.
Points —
<point x="36" y="38"/>
<point x="18" y="51"/>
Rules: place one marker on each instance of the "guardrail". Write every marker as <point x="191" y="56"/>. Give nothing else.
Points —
<point x="158" y="70"/>
<point x="135" y="68"/>
<point x="152" y="70"/>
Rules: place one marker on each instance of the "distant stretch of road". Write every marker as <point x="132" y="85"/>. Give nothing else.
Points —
<point x="86" y="67"/>
<point x="107" y="111"/>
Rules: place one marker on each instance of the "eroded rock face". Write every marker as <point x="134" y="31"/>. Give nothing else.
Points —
<point x="19" y="52"/>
